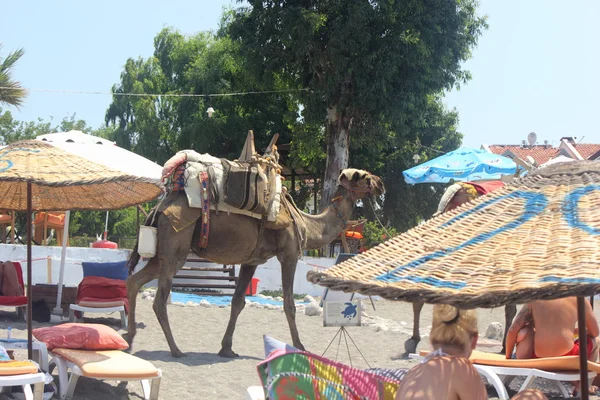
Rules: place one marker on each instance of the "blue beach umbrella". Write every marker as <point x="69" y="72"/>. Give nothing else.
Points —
<point x="464" y="164"/>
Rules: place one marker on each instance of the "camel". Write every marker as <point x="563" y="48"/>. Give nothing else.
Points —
<point x="454" y="196"/>
<point x="236" y="239"/>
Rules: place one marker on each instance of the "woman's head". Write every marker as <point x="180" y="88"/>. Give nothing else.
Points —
<point x="454" y="327"/>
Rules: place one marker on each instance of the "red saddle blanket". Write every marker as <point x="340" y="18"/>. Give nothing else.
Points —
<point x="102" y="289"/>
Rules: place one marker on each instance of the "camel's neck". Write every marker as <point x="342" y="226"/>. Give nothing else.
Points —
<point x="322" y="228"/>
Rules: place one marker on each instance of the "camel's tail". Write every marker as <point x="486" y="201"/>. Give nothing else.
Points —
<point x="134" y="258"/>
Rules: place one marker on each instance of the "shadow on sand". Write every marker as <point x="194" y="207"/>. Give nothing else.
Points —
<point x="190" y="359"/>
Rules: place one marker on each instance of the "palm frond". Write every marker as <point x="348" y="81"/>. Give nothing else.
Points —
<point x="11" y="60"/>
<point x="11" y="92"/>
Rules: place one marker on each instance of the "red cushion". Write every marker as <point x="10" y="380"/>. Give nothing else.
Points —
<point x="80" y="336"/>
<point x="15" y="301"/>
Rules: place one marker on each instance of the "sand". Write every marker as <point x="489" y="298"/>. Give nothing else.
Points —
<point x="198" y="331"/>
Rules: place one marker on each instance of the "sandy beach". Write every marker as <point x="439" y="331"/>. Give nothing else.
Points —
<point x="198" y="330"/>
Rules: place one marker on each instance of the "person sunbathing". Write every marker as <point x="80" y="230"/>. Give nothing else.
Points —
<point x="447" y="373"/>
<point x="546" y="328"/>
<point x="9" y="281"/>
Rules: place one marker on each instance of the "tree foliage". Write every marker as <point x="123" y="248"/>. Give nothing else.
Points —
<point x="363" y="62"/>
<point x="11" y="91"/>
<point x="203" y="64"/>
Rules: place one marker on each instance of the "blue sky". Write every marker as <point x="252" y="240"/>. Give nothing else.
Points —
<point x="535" y="69"/>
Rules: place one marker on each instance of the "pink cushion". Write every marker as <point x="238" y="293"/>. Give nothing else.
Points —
<point x="80" y="336"/>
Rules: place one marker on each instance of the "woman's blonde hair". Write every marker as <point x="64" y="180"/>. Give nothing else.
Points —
<point x="452" y="327"/>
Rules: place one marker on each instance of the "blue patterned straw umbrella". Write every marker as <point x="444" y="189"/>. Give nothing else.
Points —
<point x="464" y="164"/>
<point x="537" y="238"/>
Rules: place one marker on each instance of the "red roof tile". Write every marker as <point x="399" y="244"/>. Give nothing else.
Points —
<point x="587" y="150"/>
<point x="541" y="153"/>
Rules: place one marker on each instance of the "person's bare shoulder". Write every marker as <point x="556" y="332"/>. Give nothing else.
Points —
<point x="467" y="381"/>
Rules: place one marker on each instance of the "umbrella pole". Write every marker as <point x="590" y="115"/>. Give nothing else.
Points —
<point x="585" y="387"/>
<point x="29" y="307"/>
<point x="61" y="273"/>
<point x="106" y="227"/>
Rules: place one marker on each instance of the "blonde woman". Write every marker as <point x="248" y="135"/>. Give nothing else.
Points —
<point x="446" y="372"/>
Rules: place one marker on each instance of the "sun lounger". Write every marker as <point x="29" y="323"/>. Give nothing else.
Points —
<point x="104" y="365"/>
<point x="500" y="372"/>
<point x="102" y="290"/>
<point x="19" y="302"/>
<point x="40" y="353"/>
<point x="24" y="374"/>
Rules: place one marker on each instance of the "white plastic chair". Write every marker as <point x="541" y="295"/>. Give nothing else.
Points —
<point x="81" y="309"/>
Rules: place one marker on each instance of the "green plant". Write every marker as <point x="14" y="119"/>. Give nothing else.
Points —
<point x="374" y="234"/>
<point x="279" y="293"/>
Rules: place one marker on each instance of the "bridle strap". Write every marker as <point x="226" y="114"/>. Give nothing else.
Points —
<point x="352" y="191"/>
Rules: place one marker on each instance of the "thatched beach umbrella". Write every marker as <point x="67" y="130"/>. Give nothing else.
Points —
<point x="36" y="176"/>
<point x="537" y="238"/>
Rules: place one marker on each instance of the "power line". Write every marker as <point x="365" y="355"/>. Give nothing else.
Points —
<point x="159" y="94"/>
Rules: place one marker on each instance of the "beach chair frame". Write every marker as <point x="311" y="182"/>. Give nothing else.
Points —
<point x="104" y="310"/>
<point x="26" y="381"/>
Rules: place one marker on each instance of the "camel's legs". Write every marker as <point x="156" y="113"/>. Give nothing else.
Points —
<point x="288" y="270"/>
<point x="134" y="284"/>
<point x="165" y="281"/>
<point x="238" y="302"/>
<point x="410" y="346"/>
<point x="509" y="314"/>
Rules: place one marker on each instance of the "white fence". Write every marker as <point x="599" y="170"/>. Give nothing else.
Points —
<point x="46" y="266"/>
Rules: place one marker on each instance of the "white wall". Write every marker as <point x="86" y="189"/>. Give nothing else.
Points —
<point x="74" y="257"/>
<point x="269" y="274"/>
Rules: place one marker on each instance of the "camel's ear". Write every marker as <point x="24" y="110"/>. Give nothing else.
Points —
<point x="356" y="176"/>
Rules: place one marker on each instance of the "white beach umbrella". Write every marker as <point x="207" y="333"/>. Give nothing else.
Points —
<point x="103" y="152"/>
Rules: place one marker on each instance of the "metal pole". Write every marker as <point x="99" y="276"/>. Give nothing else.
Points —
<point x="29" y="298"/>
<point x="106" y="227"/>
<point x="61" y="272"/>
<point x="585" y="387"/>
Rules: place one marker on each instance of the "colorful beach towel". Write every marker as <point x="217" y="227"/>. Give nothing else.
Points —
<point x="303" y="375"/>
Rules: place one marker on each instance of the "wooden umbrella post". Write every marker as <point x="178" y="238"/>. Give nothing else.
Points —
<point x="29" y="238"/>
<point x="585" y="387"/>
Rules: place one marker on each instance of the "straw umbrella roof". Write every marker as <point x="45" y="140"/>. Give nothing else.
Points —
<point x="61" y="180"/>
<point x="537" y="238"/>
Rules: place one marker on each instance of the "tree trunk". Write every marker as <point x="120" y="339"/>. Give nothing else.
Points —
<point x="338" y="144"/>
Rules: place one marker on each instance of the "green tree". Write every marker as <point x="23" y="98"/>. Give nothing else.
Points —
<point x="11" y="91"/>
<point x="12" y="130"/>
<point x="387" y="153"/>
<point x="206" y="63"/>
<point x="363" y="62"/>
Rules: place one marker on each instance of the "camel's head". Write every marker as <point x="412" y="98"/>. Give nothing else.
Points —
<point x="361" y="183"/>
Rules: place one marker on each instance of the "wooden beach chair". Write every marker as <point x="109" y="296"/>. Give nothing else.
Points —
<point x="500" y="372"/>
<point x="112" y="365"/>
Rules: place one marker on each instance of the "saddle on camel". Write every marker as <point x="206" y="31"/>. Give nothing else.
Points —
<point x="250" y="186"/>
<point x="236" y="212"/>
